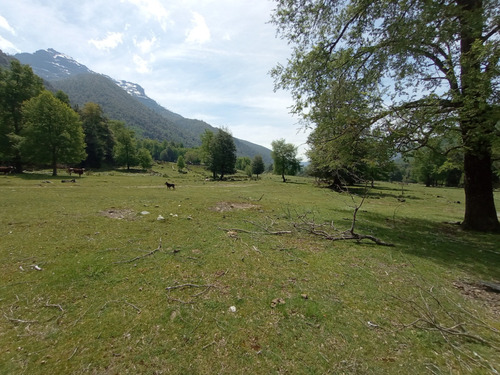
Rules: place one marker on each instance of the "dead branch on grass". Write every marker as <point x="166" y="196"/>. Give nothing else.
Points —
<point x="451" y="320"/>
<point x="338" y="235"/>
<point x="159" y="248"/>
<point x="253" y="199"/>
<point x="266" y="228"/>
<point x="189" y="285"/>
<point x="54" y="305"/>
<point x="120" y="301"/>
<point x="14" y="320"/>
<point x="311" y="227"/>
<point x="206" y="287"/>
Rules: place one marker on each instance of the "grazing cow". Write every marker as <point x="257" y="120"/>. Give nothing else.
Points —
<point x="170" y="185"/>
<point x="6" y="170"/>
<point x="78" y="171"/>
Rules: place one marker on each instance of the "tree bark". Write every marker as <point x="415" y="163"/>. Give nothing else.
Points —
<point x="477" y="126"/>
<point x="480" y="212"/>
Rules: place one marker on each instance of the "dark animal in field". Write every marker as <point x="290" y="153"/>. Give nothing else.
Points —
<point x="6" y="170"/>
<point x="78" y="171"/>
<point x="170" y="185"/>
<point x="73" y="180"/>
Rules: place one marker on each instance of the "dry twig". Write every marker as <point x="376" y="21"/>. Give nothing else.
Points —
<point x="451" y="320"/>
<point x="159" y="248"/>
<point x="206" y="287"/>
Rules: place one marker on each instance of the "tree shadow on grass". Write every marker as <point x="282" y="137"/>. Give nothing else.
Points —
<point x="47" y="177"/>
<point x="379" y="192"/>
<point x="446" y="244"/>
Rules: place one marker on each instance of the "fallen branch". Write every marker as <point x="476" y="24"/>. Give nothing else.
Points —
<point x="118" y="301"/>
<point x="265" y="229"/>
<point x="206" y="287"/>
<point x="20" y="320"/>
<point x="56" y="306"/>
<point x="189" y="286"/>
<point x="350" y="235"/>
<point x="72" y="354"/>
<point x="347" y="235"/>
<point x="495" y="287"/>
<point x="159" y="248"/>
<point x="180" y="301"/>
<point x="455" y="324"/>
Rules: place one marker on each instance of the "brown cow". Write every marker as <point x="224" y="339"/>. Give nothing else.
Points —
<point x="79" y="171"/>
<point x="6" y="170"/>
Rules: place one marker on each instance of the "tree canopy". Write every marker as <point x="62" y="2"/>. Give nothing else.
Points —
<point x="125" y="149"/>
<point x="409" y="71"/>
<point x="219" y="152"/>
<point x="98" y="136"/>
<point x="258" y="165"/>
<point x="52" y="132"/>
<point x="17" y="85"/>
<point x="285" y="158"/>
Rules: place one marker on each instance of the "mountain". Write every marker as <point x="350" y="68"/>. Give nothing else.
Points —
<point x="124" y="101"/>
<point x="4" y="60"/>
<point x="50" y="64"/>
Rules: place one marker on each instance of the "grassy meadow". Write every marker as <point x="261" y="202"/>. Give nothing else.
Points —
<point x="231" y="281"/>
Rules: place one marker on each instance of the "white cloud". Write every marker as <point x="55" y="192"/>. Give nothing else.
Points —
<point x="7" y="46"/>
<point x="4" y="24"/>
<point x="145" y="45"/>
<point x="153" y="9"/>
<point x="141" y="65"/>
<point x="111" y="41"/>
<point x="200" y="33"/>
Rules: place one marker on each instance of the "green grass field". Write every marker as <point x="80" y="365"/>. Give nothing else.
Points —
<point x="230" y="282"/>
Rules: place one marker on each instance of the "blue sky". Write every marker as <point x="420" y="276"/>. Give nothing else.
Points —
<point x="203" y="59"/>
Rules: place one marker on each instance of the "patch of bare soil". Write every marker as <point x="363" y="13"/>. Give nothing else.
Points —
<point x="482" y="293"/>
<point x="118" y="213"/>
<point x="233" y="206"/>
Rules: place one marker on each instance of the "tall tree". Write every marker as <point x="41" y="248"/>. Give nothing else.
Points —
<point x="219" y="152"/>
<point x="52" y="132"/>
<point x="181" y="164"/>
<point x="125" y="150"/>
<point x="144" y="158"/>
<point x="98" y="135"/>
<point x="285" y="158"/>
<point x="347" y="159"/>
<point x="17" y="85"/>
<point x="242" y="162"/>
<point x="257" y="165"/>
<point x="223" y="152"/>
<point x="412" y="69"/>
<point x="206" y="144"/>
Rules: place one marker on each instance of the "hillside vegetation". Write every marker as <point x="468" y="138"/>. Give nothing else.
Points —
<point x="116" y="274"/>
<point x="119" y="105"/>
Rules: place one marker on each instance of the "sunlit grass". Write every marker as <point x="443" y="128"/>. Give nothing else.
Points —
<point x="84" y="291"/>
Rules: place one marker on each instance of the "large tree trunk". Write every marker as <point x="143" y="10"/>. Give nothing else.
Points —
<point x="476" y="124"/>
<point x="480" y="212"/>
<point x="54" y="163"/>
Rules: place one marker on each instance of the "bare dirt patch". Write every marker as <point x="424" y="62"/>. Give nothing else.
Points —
<point x="118" y="213"/>
<point x="482" y="293"/>
<point x="233" y="206"/>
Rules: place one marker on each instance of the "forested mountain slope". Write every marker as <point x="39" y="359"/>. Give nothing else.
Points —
<point x="124" y="101"/>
